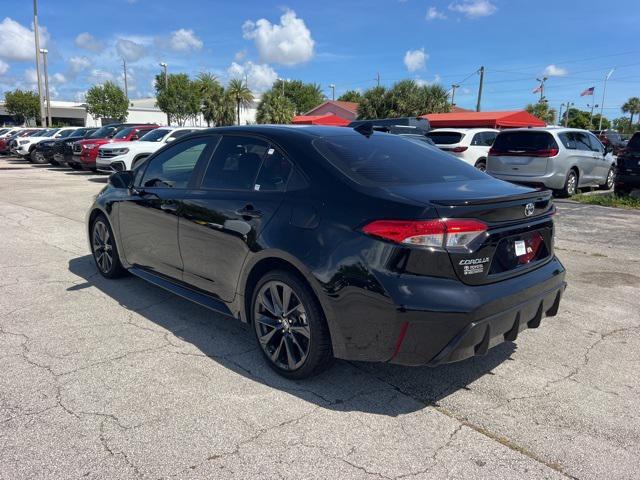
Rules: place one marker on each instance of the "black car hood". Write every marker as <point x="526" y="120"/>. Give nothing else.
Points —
<point x="487" y="190"/>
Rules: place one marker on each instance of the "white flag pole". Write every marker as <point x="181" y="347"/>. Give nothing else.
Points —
<point x="604" y="91"/>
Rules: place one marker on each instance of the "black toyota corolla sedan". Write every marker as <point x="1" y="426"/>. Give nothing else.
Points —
<point x="335" y="243"/>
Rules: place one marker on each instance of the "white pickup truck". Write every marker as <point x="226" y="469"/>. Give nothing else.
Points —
<point x="115" y="157"/>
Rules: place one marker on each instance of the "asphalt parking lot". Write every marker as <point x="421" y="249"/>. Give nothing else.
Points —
<point x="119" y="379"/>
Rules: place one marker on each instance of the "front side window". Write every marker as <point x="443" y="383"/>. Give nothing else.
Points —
<point x="154" y="135"/>
<point x="173" y="167"/>
<point x="178" y="134"/>
<point x="66" y="133"/>
<point x="123" y="133"/>
<point x="235" y="163"/>
<point x="596" y="146"/>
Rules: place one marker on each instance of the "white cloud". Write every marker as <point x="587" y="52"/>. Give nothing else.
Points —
<point x="130" y="50"/>
<point x="4" y="67"/>
<point x="184" y="40"/>
<point x="87" y="41"/>
<point x="474" y="8"/>
<point x="59" y="78"/>
<point x="100" y="76"/>
<point x="78" y="64"/>
<point x="422" y="82"/>
<point x="260" y="77"/>
<point x="555" y="71"/>
<point x="17" y="41"/>
<point x="80" y="96"/>
<point x="286" y="43"/>
<point x="434" y="14"/>
<point x="31" y="76"/>
<point x="239" y="56"/>
<point x="415" y="59"/>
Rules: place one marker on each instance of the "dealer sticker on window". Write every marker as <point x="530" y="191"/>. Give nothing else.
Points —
<point x="521" y="249"/>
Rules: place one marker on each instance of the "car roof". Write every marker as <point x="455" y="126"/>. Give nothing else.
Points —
<point x="299" y="131"/>
<point x="464" y="130"/>
<point x="554" y="129"/>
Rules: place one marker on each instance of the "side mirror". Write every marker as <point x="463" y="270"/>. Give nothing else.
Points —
<point x="135" y="137"/>
<point x="123" y="179"/>
<point x="170" y="139"/>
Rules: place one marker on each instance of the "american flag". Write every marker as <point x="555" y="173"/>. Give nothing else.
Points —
<point x="537" y="89"/>
<point x="588" y="91"/>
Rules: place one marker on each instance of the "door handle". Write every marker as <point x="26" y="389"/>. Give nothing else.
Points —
<point x="169" y="207"/>
<point x="249" y="212"/>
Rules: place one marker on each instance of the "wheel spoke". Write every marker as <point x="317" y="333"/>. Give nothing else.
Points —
<point x="267" y="304"/>
<point x="289" y="348"/>
<point x="301" y="330"/>
<point x="266" y="338"/>
<point x="301" y="350"/>
<point x="297" y="307"/>
<point x="286" y="298"/>
<point x="275" y="298"/>
<point x="267" y="321"/>
<point x="276" y="353"/>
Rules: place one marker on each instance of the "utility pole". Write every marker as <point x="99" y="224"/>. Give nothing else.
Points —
<point x="378" y="79"/>
<point x="44" y="52"/>
<point x="453" y="93"/>
<point x="126" y="88"/>
<point x="37" y="36"/>
<point x="560" y="114"/>
<point x="481" y="72"/>
<point x="566" y="118"/>
<point x="166" y="87"/>
<point x="333" y="91"/>
<point x="542" y="80"/>
<point x="604" y="90"/>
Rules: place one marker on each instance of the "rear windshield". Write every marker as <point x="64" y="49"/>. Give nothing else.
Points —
<point x="634" y="143"/>
<point x="385" y="159"/>
<point x="154" y="135"/>
<point x="524" y="141"/>
<point x="445" y="138"/>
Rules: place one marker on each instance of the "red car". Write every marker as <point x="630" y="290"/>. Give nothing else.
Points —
<point x="85" y="151"/>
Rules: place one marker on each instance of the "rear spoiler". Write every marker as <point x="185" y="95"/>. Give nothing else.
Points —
<point x="535" y="196"/>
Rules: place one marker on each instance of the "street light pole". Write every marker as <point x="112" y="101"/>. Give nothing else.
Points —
<point x="333" y="91"/>
<point x="566" y="118"/>
<point x="542" y="80"/>
<point x="166" y="87"/>
<point x="126" y="88"/>
<point x="560" y="114"/>
<point x="453" y="93"/>
<point x="591" y="114"/>
<point x="481" y="72"/>
<point x="37" y="37"/>
<point x="604" y="91"/>
<point x="44" y="52"/>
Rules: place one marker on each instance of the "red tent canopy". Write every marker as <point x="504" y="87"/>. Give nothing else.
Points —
<point x="508" y="119"/>
<point x="327" y="119"/>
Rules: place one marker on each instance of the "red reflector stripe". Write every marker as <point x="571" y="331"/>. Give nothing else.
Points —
<point x="401" y="335"/>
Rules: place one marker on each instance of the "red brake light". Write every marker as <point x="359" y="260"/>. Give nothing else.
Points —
<point x="442" y="233"/>
<point x="459" y="149"/>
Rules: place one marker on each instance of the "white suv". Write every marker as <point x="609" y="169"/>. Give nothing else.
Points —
<point x="469" y="144"/>
<point x="25" y="145"/>
<point x="114" y="157"/>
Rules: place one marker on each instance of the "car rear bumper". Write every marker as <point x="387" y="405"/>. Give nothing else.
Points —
<point x="553" y="180"/>
<point x="438" y="320"/>
<point x="630" y="180"/>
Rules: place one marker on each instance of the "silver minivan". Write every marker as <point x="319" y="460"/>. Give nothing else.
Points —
<point x="562" y="159"/>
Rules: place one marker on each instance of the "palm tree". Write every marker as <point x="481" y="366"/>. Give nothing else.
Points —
<point x="631" y="106"/>
<point x="211" y="93"/>
<point x="241" y="94"/>
<point x="275" y="108"/>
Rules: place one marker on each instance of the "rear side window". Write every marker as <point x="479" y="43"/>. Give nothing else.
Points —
<point x="445" y="138"/>
<point x="274" y="172"/>
<point x="385" y="159"/>
<point x="524" y="141"/>
<point x="484" y="139"/>
<point x="235" y="163"/>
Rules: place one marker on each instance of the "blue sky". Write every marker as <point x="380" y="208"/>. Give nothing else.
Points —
<point x="340" y="42"/>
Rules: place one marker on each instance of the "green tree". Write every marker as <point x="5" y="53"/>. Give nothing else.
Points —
<point x="107" y="101"/>
<point x="631" y="106"/>
<point x="434" y="99"/>
<point x="577" y="119"/>
<point x="303" y="96"/>
<point x="22" y="105"/>
<point x="180" y="99"/>
<point x="622" y="125"/>
<point x="373" y="103"/>
<point x="215" y="104"/>
<point x="404" y="99"/>
<point x="275" y="108"/>
<point x="606" y="124"/>
<point x="351" y="96"/>
<point x="542" y="111"/>
<point x="240" y="94"/>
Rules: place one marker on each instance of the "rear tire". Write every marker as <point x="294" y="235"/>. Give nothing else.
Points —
<point x="621" y="191"/>
<point x="294" y="338"/>
<point x="104" y="249"/>
<point x="75" y="166"/>
<point x="609" y="182"/>
<point x="137" y="162"/>
<point x="570" y="184"/>
<point x="481" y="165"/>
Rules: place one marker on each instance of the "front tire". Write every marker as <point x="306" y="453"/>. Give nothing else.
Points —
<point x="481" y="165"/>
<point x="609" y="182"/>
<point x="289" y="326"/>
<point x="104" y="249"/>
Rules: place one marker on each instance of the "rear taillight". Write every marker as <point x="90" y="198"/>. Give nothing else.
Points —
<point x="550" y="152"/>
<point x="455" y="149"/>
<point x="441" y="233"/>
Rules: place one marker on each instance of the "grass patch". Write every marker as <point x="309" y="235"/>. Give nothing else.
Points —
<point x="609" y="200"/>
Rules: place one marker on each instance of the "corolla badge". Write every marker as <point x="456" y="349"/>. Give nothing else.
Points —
<point x="529" y="209"/>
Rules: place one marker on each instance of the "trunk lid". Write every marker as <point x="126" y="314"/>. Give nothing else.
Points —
<point x="519" y="234"/>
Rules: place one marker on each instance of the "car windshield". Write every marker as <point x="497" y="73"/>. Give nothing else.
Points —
<point x="634" y="143"/>
<point x="50" y="133"/>
<point x="104" y="132"/>
<point x="445" y="138"/>
<point x="66" y="133"/>
<point x="385" y="159"/>
<point x="154" y="135"/>
<point x="524" y="141"/>
<point x="124" y="133"/>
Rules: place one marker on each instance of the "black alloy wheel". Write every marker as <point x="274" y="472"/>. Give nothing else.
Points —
<point x="105" y="252"/>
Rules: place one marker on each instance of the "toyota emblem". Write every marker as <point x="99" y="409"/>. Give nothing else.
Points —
<point x="529" y="209"/>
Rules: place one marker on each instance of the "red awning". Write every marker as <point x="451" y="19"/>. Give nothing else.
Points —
<point x="508" y="119"/>
<point x="327" y="119"/>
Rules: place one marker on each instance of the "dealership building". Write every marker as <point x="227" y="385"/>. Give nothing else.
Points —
<point x="141" y="110"/>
